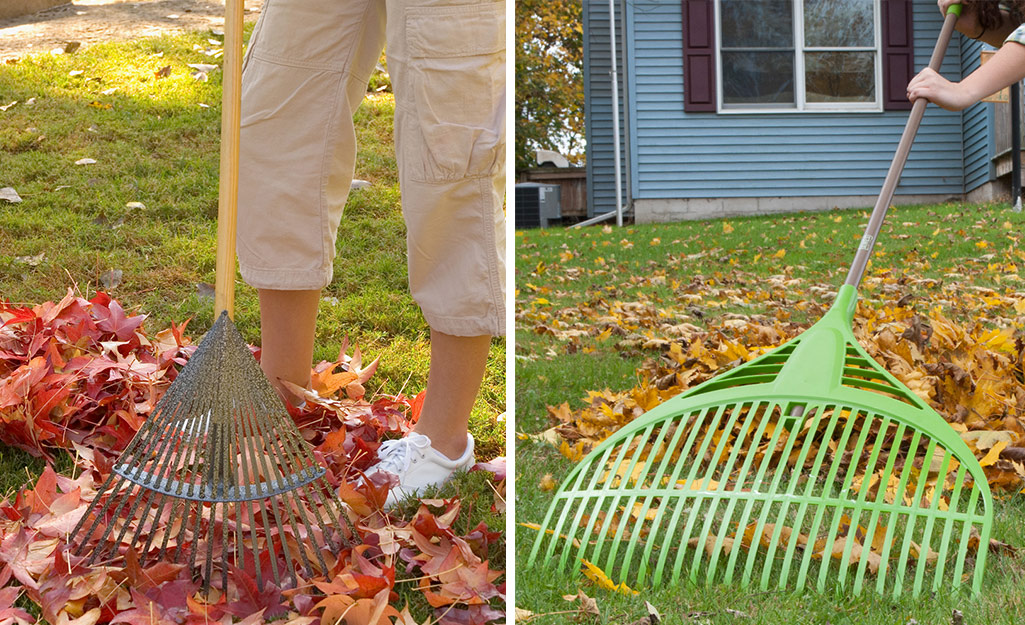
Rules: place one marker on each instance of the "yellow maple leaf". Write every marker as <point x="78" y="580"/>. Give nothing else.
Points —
<point x="597" y="575"/>
<point x="993" y="454"/>
<point x="780" y="253"/>
<point x="726" y="227"/>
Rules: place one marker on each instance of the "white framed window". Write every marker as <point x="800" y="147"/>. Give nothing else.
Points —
<point x="798" y="55"/>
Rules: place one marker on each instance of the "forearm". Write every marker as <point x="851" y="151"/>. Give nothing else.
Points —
<point x="1006" y="67"/>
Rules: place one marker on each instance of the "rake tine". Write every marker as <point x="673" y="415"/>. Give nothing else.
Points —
<point x="735" y="446"/>
<point x="902" y="564"/>
<point x="635" y="490"/>
<point x="905" y="475"/>
<point x="624" y="483"/>
<point x="279" y="443"/>
<point x="134" y="444"/>
<point x="948" y="525"/>
<point x="176" y="506"/>
<point x="264" y="464"/>
<point x="812" y="416"/>
<point x="599" y="498"/>
<point x="152" y="530"/>
<point x="693" y="425"/>
<point x="870" y="466"/>
<point x="700" y="499"/>
<point x="239" y="552"/>
<point x="838" y="510"/>
<point x="249" y="434"/>
<point x="834" y="466"/>
<point x="792" y="435"/>
<point x="577" y="472"/>
<point x="249" y="478"/>
<point x="813" y="475"/>
<point x="160" y="456"/>
<point x="962" y="552"/>
<point x="99" y="514"/>
<point x="649" y="499"/>
<point x="884" y="482"/>
<point x="763" y="414"/>
<point x="767" y="460"/>
<point x="110" y="526"/>
<point x="923" y="553"/>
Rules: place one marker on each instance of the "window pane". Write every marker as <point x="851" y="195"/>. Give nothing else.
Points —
<point x="758" y="77"/>
<point x="840" y="76"/>
<point x="757" y="23"/>
<point x="838" y="23"/>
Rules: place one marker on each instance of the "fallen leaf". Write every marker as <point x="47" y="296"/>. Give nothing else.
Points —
<point x="594" y="573"/>
<point x="111" y="279"/>
<point x="10" y="195"/>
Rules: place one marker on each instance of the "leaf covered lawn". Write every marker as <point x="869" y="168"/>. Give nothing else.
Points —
<point x="641" y="314"/>
<point x="80" y="376"/>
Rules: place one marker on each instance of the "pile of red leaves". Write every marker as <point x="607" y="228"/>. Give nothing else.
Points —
<point x="82" y="375"/>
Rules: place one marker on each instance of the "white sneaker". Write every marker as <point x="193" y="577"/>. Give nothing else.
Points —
<point x="417" y="465"/>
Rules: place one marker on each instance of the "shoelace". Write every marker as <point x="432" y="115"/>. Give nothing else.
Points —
<point x="396" y="454"/>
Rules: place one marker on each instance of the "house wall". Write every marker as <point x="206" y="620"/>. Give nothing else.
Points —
<point x="825" y="159"/>
<point x="977" y="125"/>
<point x="601" y="185"/>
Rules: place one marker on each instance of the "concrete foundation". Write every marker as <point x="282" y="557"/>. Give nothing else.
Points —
<point x="659" y="211"/>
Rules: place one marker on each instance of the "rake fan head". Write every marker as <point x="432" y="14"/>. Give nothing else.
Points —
<point x="808" y="466"/>
<point x="219" y="472"/>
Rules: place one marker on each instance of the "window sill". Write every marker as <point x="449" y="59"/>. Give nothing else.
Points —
<point x="812" y="111"/>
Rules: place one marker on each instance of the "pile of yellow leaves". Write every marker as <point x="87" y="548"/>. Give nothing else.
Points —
<point x="971" y="374"/>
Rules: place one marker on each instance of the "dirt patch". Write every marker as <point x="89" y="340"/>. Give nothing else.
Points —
<point x="92" y="21"/>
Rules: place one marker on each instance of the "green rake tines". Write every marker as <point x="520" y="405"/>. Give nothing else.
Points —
<point x="793" y="470"/>
<point x="810" y="465"/>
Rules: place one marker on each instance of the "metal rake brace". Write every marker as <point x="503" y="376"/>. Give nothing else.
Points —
<point x="218" y="469"/>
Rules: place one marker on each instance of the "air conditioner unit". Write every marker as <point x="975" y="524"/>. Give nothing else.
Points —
<point x="537" y="204"/>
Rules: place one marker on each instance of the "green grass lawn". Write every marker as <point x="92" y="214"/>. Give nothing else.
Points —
<point x="782" y="267"/>
<point x="147" y="209"/>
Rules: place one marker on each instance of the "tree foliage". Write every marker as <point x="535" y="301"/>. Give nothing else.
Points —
<point x="549" y="79"/>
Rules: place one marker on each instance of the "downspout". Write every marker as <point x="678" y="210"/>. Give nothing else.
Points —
<point x="1016" y="147"/>
<point x="618" y="212"/>
<point x="615" y="114"/>
<point x="628" y="184"/>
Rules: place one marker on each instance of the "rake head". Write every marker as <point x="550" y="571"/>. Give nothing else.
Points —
<point x="810" y="466"/>
<point x="217" y="476"/>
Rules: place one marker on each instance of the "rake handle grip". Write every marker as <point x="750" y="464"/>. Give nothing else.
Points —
<point x="875" y="222"/>
<point x="231" y="119"/>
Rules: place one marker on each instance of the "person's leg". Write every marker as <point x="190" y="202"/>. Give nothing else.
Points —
<point x="457" y="368"/>
<point x="306" y="72"/>
<point x="446" y="60"/>
<point x="288" y="322"/>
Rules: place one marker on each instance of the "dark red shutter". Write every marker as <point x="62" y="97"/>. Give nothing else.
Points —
<point x="699" y="56"/>
<point x="898" y="54"/>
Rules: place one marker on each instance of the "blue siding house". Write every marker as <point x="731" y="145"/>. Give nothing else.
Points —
<point x="733" y="107"/>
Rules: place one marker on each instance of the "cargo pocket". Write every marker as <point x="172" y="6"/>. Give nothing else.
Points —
<point x="457" y="77"/>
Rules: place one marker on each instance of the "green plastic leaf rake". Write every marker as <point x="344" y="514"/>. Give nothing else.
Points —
<point x="810" y="466"/>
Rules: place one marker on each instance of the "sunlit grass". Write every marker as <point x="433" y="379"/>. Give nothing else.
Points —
<point x="155" y="142"/>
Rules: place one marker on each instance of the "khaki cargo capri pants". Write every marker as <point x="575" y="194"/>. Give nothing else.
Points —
<point x="305" y="73"/>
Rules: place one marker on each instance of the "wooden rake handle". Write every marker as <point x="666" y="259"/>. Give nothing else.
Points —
<point x="875" y="222"/>
<point x="231" y="121"/>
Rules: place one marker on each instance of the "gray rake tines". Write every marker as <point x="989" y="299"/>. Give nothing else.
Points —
<point x="739" y="492"/>
<point x="218" y="472"/>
